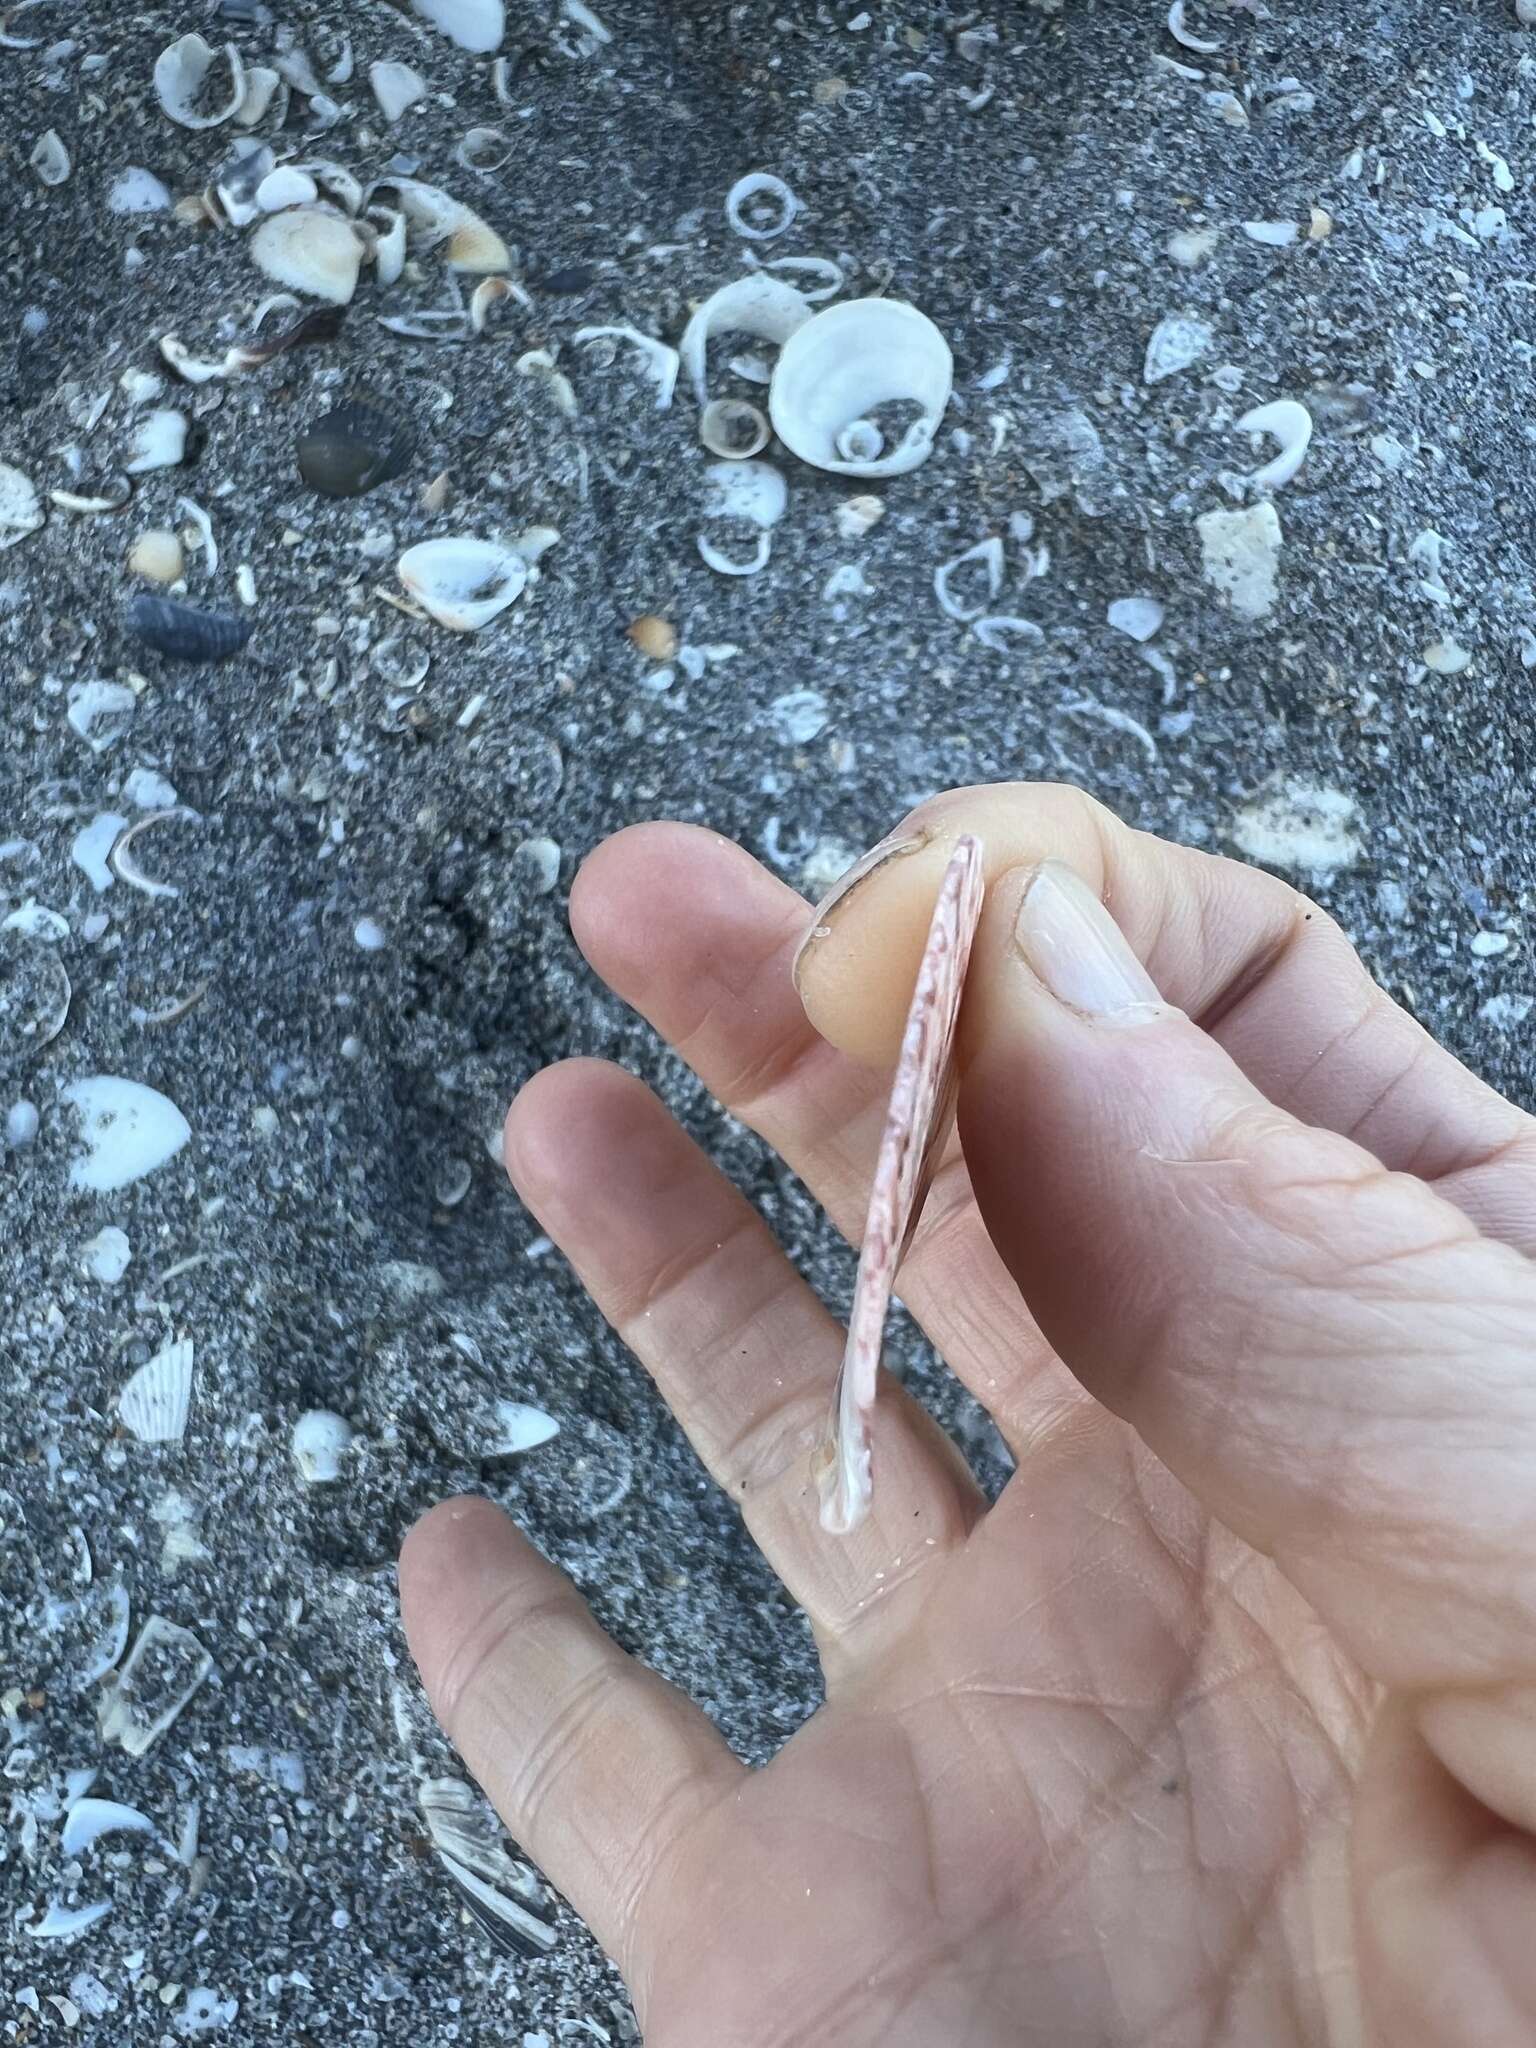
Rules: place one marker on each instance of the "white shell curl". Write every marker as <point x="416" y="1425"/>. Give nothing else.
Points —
<point x="463" y="582"/>
<point x="1288" y="422"/>
<point x="759" y="305"/>
<point x="179" y="74"/>
<point x="733" y="428"/>
<point x="841" y="367"/>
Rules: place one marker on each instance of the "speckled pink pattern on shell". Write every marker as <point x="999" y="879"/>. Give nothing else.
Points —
<point x="917" y="1123"/>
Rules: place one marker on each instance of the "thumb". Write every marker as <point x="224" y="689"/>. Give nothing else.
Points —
<point x="1327" y="1354"/>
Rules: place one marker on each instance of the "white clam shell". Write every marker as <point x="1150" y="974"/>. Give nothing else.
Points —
<point x="309" y="249"/>
<point x="129" y="1130"/>
<point x="463" y="582"/>
<point x="21" y="509"/>
<point x="760" y="305"/>
<point x="179" y="74"/>
<point x="835" y="372"/>
<point x="155" y="1402"/>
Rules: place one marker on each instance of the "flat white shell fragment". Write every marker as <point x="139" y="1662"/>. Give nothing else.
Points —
<point x="309" y="249"/>
<point x="763" y="306"/>
<point x="154" y="1404"/>
<point x="136" y="190"/>
<point x="396" y="87"/>
<point x="319" y="1443"/>
<point x="159" y="441"/>
<point x="129" y="1130"/>
<point x="1273" y="234"/>
<point x="21" y="1125"/>
<point x="60" y="1922"/>
<point x="164" y="1669"/>
<point x="476" y="25"/>
<point x="1241" y="552"/>
<point x="99" y="712"/>
<point x="759" y="186"/>
<point x="21" y="509"/>
<point x="520" y="1427"/>
<point x="286" y="186"/>
<point x="180" y="72"/>
<point x="106" y="1256"/>
<point x="463" y="582"/>
<point x="916" y="1128"/>
<point x="1177" y="342"/>
<point x="89" y="1819"/>
<point x="91" y="845"/>
<point x="1137" y="617"/>
<point x="846" y="364"/>
<point x="1287" y="422"/>
<point x="753" y="491"/>
<point x="1305" y="826"/>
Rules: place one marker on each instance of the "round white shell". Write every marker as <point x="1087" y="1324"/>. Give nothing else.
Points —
<point x="733" y="428"/>
<point x="842" y="366"/>
<point x="179" y="74"/>
<point x="319" y="1442"/>
<point x="309" y="249"/>
<point x="463" y="582"/>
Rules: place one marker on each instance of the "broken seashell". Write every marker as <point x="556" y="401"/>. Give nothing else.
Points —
<point x="389" y="248"/>
<point x="783" y="206"/>
<point x="917" y="1125"/>
<point x="237" y="184"/>
<point x="353" y="449"/>
<point x="1177" y="341"/>
<point x="182" y="633"/>
<point x="1291" y="425"/>
<point x="757" y="304"/>
<point x="125" y="866"/>
<point x="475" y="25"/>
<point x="286" y="186"/>
<point x="483" y="149"/>
<point x="34" y="996"/>
<point x="754" y="491"/>
<point x="472" y="246"/>
<point x="396" y="87"/>
<point x="463" y="582"/>
<point x="89" y="1819"/>
<point x="180" y="73"/>
<point x="202" y="526"/>
<point x="822" y="267"/>
<point x="855" y="516"/>
<point x="261" y="85"/>
<point x="847" y="364"/>
<point x="989" y="553"/>
<point x="520" y="1428"/>
<point x="319" y="1442"/>
<point x="1137" y="617"/>
<point x="109" y="705"/>
<point x="111" y="495"/>
<point x="994" y="633"/>
<point x="154" y="1403"/>
<point x="310" y="249"/>
<point x="487" y="293"/>
<point x="107" y="1256"/>
<point x="661" y="361"/>
<point x="733" y="428"/>
<point x="136" y="190"/>
<point x="21" y="509"/>
<point x="1185" y="37"/>
<point x="655" y="637"/>
<point x="129" y="1130"/>
<point x="49" y="158"/>
<point x="159" y="441"/>
<point x="60" y="1922"/>
<point x="164" y="1669"/>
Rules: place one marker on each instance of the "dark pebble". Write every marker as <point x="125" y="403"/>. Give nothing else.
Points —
<point x="353" y="449"/>
<point x="575" y="277"/>
<point x="182" y="634"/>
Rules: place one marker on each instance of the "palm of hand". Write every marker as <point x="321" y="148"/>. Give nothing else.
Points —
<point x="1091" y="1782"/>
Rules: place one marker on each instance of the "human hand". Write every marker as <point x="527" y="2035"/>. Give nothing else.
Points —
<point x="1220" y="1726"/>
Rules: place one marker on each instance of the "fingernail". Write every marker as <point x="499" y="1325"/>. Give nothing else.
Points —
<point x="1075" y="947"/>
<point x="878" y="856"/>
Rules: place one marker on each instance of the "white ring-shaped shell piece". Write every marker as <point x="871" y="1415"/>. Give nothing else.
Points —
<point x="733" y="428"/>
<point x="842" y="366"/>
<point x="179" y="73"/>
<point x="1290" y="424"/>
<point x="758" y="305"/>
<point x="124" y="863"/>
<point x="723" y="564"/>
<point x="756" y="185"/>
<point x="987" y="552"/>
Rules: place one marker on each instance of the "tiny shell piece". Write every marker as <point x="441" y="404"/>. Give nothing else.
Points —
<point x="49" y="158"/>
<point x="761" y="185"/>
<point x="476" y="25"/>
<point x="319" y="1442"/>
<point x="155" y="1402"/>
<point x="463" y="582"/>
<point x="21" y="509"/>
<point x="917" y="1126"/>
<point x="1177" y="341"/>
<point x="519" y="1428"/>
<point x="89" y="1819"/>
<point x="396" y="87"/>
<point x="655" y="637"/>
<point x="1289" y="422"/>
<point x="157" y="556"/>
<point x="159" y="441"/>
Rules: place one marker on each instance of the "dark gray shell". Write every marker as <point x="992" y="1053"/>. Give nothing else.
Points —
<point x="183" y="634"/>
<point x="353" y="449"/>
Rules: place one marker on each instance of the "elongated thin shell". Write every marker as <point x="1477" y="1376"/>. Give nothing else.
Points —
<point x="917" y="1124"/>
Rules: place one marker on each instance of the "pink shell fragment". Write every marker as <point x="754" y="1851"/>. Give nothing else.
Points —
<point x="917" y="1124"/>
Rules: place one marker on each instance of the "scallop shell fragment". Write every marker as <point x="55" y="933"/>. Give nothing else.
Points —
<point x="917" y="1126"/>
<point x="155" y="1402"/>
<point x="180" y="74"/>
<point x="310" y="249"/>
<point x="463" y="582"/>
<point x="847" y="365"/>
<point x="129" y="1130"/>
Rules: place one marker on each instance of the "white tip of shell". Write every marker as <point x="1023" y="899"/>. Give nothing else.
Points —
<point x="475" y="25"/>
<point x="180" y="71"/>
<point x="842" y="368"/>
<point x="463" y="582"/>
<point x="309" y="249"/>
<point x="520" y="1427"/>
<point x="155" y="1402"/>
<point x="396" y="87"/>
